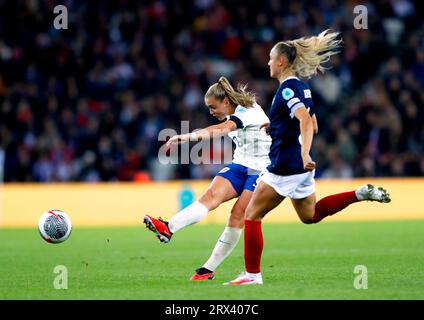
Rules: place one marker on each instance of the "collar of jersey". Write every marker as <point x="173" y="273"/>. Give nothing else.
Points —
<point x="288" y="78"/>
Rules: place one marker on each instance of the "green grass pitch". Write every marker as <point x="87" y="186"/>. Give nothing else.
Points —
<point x="299" y="262"/>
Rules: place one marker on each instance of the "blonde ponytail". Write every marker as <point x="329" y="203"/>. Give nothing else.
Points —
<point x="223" y="89"/>
<point x="307" y="54"/>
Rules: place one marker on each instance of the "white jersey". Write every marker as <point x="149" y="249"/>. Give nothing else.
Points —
<point x="252" y="143"/>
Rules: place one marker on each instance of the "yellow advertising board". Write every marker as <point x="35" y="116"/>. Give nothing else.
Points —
<point x="124" y="204"/>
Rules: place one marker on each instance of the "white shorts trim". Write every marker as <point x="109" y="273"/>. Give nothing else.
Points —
<point x="296" y="186"/>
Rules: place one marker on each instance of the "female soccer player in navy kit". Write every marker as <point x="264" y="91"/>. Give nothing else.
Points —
<point x="291" y="172"/>
<point x="236" y="180"/>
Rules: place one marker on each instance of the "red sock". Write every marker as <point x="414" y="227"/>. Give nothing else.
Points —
<point x="330" y="205"/>
<point x="253" y="245"/>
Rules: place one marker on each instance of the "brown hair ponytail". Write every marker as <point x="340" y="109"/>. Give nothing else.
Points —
<point x="223" y="89"/>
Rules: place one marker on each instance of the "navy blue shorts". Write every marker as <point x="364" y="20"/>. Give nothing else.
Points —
<point x="240" y="177"/>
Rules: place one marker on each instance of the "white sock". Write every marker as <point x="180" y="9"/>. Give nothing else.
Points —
<point x="189" y="215"/>
<point x="225" y="245"/>
<point x="358" y="194"/>
<point x="253" y="275"/>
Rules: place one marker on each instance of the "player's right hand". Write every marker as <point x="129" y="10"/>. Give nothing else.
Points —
<point x="308" y="164"/>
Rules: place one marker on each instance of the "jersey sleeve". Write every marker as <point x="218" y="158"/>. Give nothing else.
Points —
<point x="293" y="98"/>
<point x="240" y="117"/>
<point x="308" y="97"/>
<point x="236" y="120"/>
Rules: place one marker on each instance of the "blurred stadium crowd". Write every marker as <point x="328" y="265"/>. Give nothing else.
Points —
<point x="87" y="103"/>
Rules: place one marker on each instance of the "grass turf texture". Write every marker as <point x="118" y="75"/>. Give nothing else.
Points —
<point x="299" y="262"/>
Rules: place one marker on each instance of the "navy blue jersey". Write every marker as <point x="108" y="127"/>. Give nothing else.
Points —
<point x="285" y="152"/>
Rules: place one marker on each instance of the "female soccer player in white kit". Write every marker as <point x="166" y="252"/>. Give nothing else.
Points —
<point x="244" y="121"/>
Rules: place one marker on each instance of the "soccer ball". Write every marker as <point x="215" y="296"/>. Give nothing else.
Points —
<point x="55" y="226"/>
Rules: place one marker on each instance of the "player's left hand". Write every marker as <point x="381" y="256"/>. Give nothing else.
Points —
<point x="265" y="126"/>
<point x="308" y="164"/>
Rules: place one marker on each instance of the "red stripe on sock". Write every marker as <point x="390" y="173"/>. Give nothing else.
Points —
<point x="253" y="245"/>
<point x="331" y="204"/>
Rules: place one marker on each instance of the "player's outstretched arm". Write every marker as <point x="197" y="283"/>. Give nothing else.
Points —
<point x="210" y="132"/>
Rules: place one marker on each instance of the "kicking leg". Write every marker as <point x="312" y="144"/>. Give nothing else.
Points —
<point x="219" y="191"/>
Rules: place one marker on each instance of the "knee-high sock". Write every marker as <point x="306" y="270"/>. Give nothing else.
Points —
<point x="225" y="245"/>
<point x="253" y="245"/>
<point x="331" y="204"/>
<point x="189" y="215"/>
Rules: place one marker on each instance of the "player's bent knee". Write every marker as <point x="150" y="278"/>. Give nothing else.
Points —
<point x="307" y="220"/>
<point x="249" y="213"/>
<point x="253" y="214"/>
<point x="210" y="199"/>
